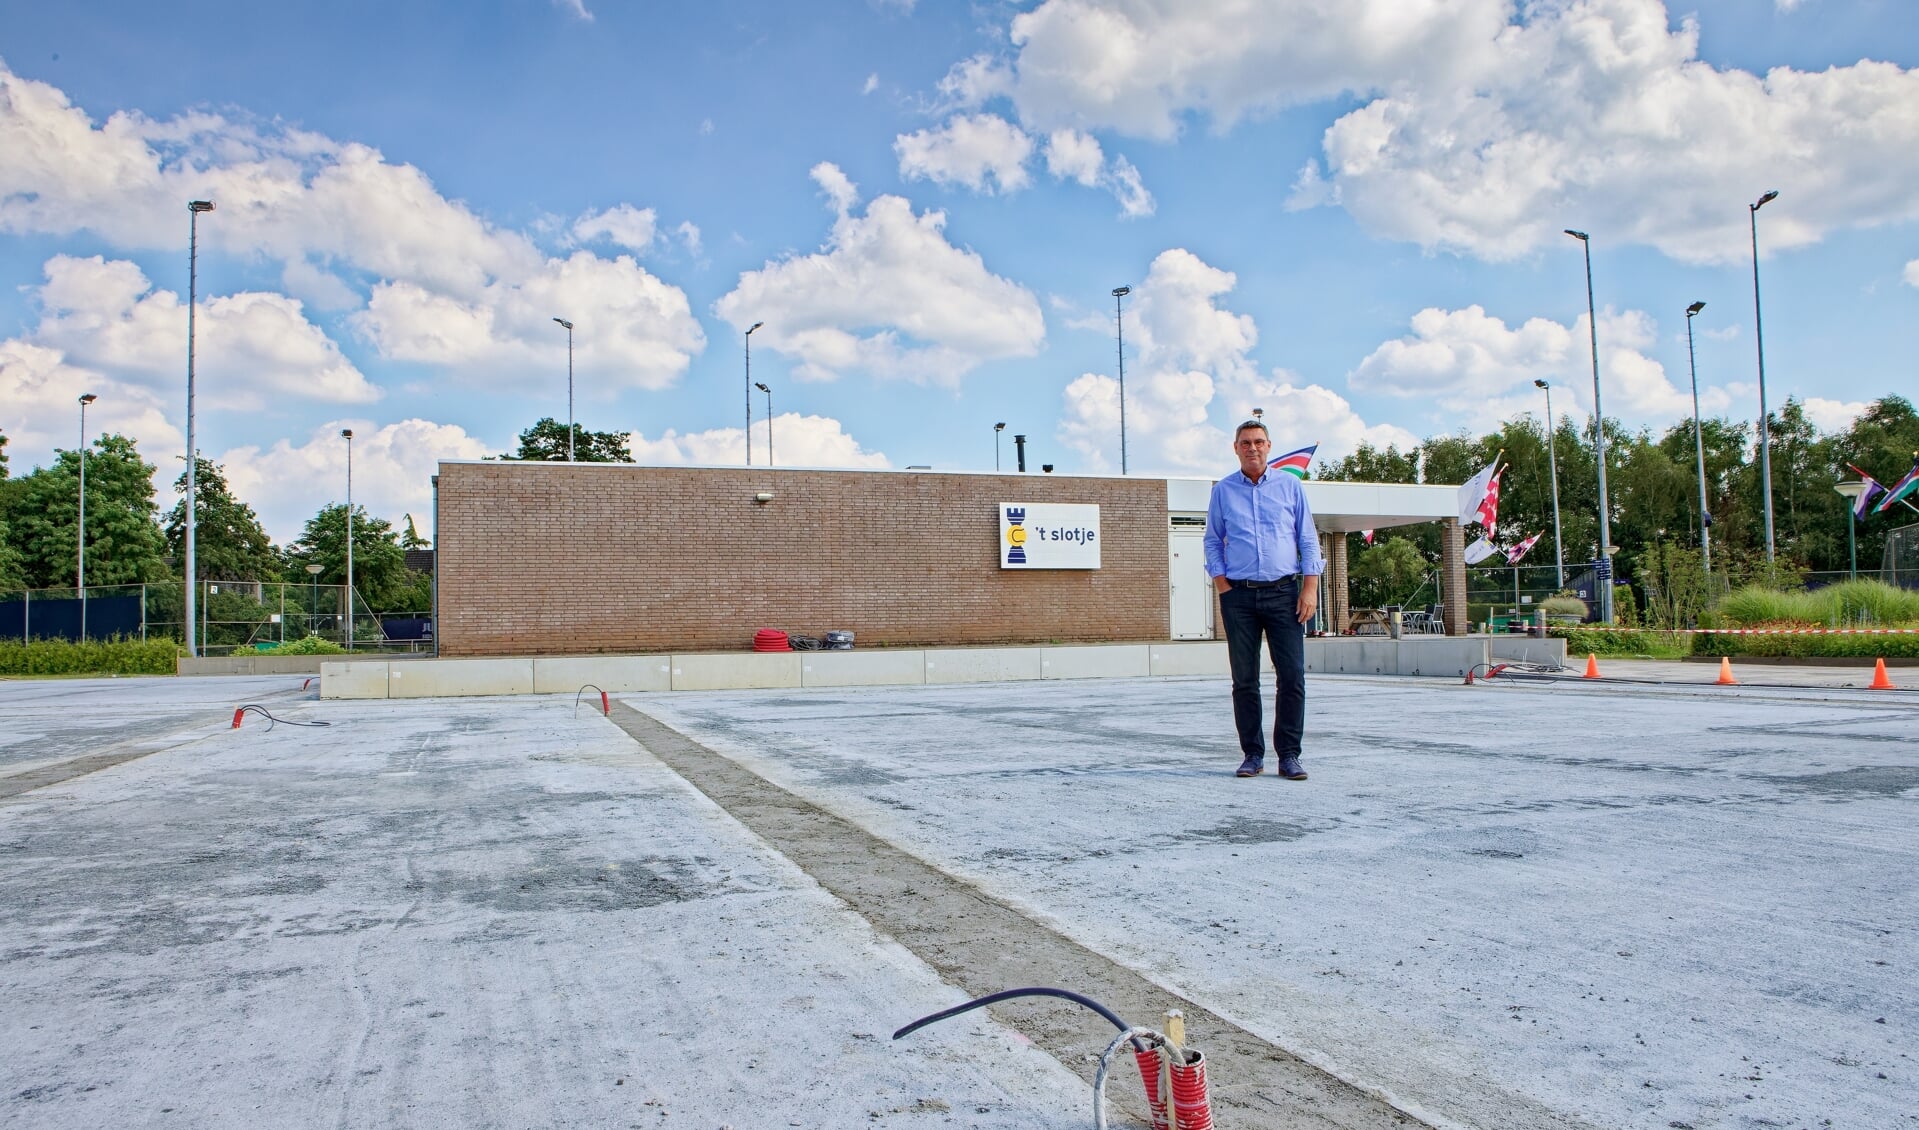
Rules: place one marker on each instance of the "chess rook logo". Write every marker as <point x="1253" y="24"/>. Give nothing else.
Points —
<point x="1016" y="535"/>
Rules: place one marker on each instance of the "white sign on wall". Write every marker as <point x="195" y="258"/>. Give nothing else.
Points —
<point x="1044" y="535"/>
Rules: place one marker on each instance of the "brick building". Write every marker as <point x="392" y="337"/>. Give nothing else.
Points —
<point x="583" y="558"/>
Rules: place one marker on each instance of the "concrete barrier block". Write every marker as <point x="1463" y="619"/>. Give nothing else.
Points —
<point x="611" y="673"/>
<point x="1097" y="661"/>
<point x="862" y="668"/>
<point x="736" y="672"/>
<point x="1525" y="649"/>
<point x="1207" y="657"/>
<point x="982" y="665"/>
<point x="1332" y="656"/>
<point x="458" y="678"/>
<point x="353" y="678"/>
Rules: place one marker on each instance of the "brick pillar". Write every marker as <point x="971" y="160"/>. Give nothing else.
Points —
<point x="1452" y="575"/>
<point x="1334" y="588"/>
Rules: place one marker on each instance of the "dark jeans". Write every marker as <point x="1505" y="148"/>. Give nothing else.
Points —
<point x="1275" y="611"/>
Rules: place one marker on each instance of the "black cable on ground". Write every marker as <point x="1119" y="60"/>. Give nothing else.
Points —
<point x="256" y="708"/>
<point x="994" y="998"/>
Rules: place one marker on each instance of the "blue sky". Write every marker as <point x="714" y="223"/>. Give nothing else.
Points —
<point x="1345" y="212"/>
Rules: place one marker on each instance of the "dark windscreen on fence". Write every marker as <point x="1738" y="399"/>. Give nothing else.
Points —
<point x="44" y="619"/>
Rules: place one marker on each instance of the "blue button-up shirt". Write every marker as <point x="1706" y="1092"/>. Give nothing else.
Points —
<point x="1260" y="531"/>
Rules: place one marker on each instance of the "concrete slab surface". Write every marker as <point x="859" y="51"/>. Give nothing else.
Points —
<point x="448" y="913"/>
<point x="1601" y="904"/>
<point x="1642" y="902"/>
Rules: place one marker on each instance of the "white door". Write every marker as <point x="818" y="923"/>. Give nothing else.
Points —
<point x="1192" y="592"/>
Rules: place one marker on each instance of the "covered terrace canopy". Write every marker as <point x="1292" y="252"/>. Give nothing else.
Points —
<point x="1341" y="508"/>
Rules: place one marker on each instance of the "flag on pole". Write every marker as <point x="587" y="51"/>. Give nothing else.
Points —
<point x="1480" y="551"/>
<point x="1473" y="492"/>
<point x="1518" y="551"/>
<point x="1901" y="489"/>
<point x="1862" y="505"/>
<point x="1366" y="536"/>
<point x="1488" y="512"/>
<point x="1296" y="463"/>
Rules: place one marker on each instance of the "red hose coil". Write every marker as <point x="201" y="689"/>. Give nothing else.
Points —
<point x="1192" y="1107"/>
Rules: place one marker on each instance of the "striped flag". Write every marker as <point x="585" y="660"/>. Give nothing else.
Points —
<point x="1488" y="513"/>
<point x="1366" y="536"/>
<point x="1862" y="505"/>
<point x="1902" y="488"/>
<point x="1296" y="463"/>
<point x="1518" y="551"/>
<point x="1472" y="493"/>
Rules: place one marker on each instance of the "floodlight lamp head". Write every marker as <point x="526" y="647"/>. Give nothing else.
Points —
<point x="1122" y="291"/>
<point x="199" y="205"/>
<point x="1541" y="384"/>
<point x="1000" y="427"/>
<point x="761" y="386"/>
<point x="1695" y="308"/>
<point x="1578" y="235"/>
<point x="564" y="322"/>
<point x="754" y="326"/>
<point x="1766" y="199"/>
<point x="346" y="433"/>
<point x="88" y="398"/>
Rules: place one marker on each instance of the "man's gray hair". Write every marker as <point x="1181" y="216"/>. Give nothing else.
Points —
<point x="1251" y="424"/>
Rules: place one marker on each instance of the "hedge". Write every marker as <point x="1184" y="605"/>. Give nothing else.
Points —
<point x="95" y="657"/>
<point x="1809" y="646"/>
<point x="1619" y="642"/>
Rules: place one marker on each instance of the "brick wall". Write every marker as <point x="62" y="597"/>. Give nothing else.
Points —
<point x="545" y="558"/>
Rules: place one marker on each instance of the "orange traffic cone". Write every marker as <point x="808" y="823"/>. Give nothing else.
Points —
<point x="1592" y="665"/>
<point x="1725" y="673"/>
<point x="1880" y="680"/>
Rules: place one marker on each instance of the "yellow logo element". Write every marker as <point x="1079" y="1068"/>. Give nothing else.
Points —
<point x="1016" y="535"/>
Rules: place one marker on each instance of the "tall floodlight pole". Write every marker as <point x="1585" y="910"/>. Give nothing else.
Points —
<point x="1759" y="339"/>
<point x="569" y="388"/>
<point x="313" y="608"/>
<point x="347" y="434"/>
<point x="1599" y="438"/>
<point x="761" y="385"/>
<point x="194" y="208"/>
<point x="1699" y="443"/>
<point x="81" y="577"/>
<point x="997" y="429"/>
<point x="1552" y="461"/>
<point x="1119" y="327"/>
<point x="749" y="391"/>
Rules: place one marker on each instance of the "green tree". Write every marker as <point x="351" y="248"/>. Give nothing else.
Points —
<point x="1882" y="442"/>
<point x="228" y="541"/>
<point x="12" y="576"/>
<point x="546" y="441"/>
<point x="412" y="539"/>
<point x="1388" y="572"/>
<point x="124" y="544"/>
<point x="380" y="575"/>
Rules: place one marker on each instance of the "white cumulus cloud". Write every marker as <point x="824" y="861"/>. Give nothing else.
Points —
<point x="629" y="227"/>
<point x="104" y="315"/>
<point x="41" y="390"/>
<point x="798" y="441"/>
<point x="1833" y="415"/>
<point x="983" y="152"/>
<point x="1142" y="66"/>
<point x="1190" y="378"/>
<point x="446" y="285"/>
<point x="1471" y="363"/>
<point x="1077" y="156"/>
<point x="1596" y="114"/>
<point x="1912" y="273"/>
<point x="393" y="469"/>
<point x="887" y="295"/>
<point x="630" y="330"/>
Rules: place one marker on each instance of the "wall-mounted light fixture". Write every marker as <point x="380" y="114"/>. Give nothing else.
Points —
<point x="763" y="497"/>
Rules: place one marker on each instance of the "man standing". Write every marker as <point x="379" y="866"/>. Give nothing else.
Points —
<point x="1263" y="555"/>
